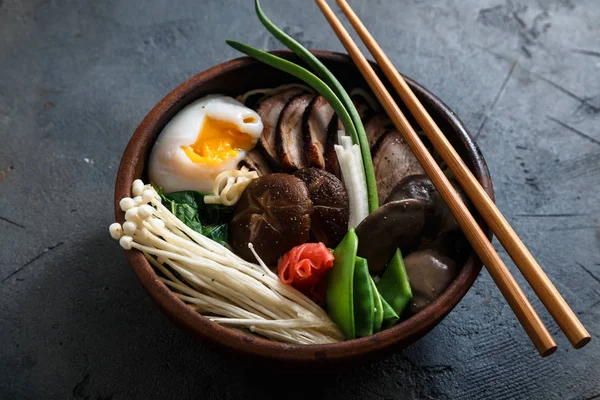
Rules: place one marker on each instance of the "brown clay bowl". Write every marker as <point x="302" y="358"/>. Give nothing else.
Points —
<point x="233" y="78"/>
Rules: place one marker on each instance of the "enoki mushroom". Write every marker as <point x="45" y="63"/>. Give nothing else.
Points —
<point x="214" y="281"/>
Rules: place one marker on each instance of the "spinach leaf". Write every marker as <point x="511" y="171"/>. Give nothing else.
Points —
<point x="210" y="220"/>
<point x="217" y="232"/>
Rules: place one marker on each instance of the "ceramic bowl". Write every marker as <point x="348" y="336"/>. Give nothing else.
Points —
<point x="236" y="77"/>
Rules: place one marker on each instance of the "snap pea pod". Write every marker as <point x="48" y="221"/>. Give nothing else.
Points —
<point x="364" y="306"/>
<point x="358" y="134"/>
<point x="394" y="286"/>
<point x="339" y="297"/>
<point x="389" y="315"/>
<point x="378" y="312"/>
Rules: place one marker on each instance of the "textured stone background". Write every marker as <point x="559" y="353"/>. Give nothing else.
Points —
<point x="76" y="77"/>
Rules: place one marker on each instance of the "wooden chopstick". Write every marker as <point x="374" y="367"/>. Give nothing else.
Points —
<point x="509" y="288"/>
<point x="531" y="270"/>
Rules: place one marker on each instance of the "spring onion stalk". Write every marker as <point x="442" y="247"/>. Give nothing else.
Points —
<point x="361" y="179"/>
<point x="303" y="74"/>
<point x="353" y="175"/>
<point x="214" y="281"/>
<point x="321" y="70"/>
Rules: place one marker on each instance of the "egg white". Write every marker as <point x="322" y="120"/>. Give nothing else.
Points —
<point x="171" y="169"/>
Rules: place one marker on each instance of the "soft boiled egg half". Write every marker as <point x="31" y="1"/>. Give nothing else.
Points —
<point x="209" y="136"/>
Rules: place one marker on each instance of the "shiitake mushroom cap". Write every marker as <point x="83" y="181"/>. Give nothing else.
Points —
<point x="274" y="215"/>
<point x="429" y="274"/>
<point x="452" y="244"/>
<point x="397" y="224"/>
<point x="438" y="218"/>
<point x="329" y="220"/>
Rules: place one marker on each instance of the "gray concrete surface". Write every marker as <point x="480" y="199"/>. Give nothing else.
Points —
<point x="76" y="77"/>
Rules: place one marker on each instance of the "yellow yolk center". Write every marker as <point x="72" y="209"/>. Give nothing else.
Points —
<point x="217" y="141"/>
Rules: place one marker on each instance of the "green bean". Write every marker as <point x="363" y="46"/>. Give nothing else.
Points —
<point x="394" y="286"/>
<point x="339" y="297"/>
<point x="359" y="137"/>
<point x="364" y="307"/>
<point x="378" y="317"/>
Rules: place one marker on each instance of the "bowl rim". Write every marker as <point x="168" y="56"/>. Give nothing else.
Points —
<point x="229" y="340"/>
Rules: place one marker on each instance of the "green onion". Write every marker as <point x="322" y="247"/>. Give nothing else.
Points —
<point x="303" y="74"/>
<point x="322" y="71"/>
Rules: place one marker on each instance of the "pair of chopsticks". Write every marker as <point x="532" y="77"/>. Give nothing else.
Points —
<point x="539" y="281"/>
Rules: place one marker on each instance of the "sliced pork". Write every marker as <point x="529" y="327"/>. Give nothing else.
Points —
<point x="331" y="161"/>
<point x="375" y="127"/>
<point x="269" y="110"/>
<point x="362" y="107"/>
<point x="289" y="138"/>
<point x="316" y="122"/>
<point x="254" y="161"/>
<point x="392" y="161"/>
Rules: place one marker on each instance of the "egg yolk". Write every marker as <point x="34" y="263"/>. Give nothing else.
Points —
<point x="217" y="141"/>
